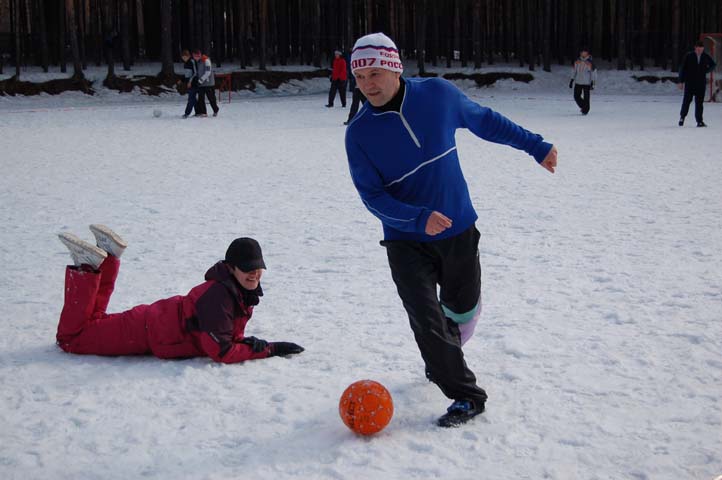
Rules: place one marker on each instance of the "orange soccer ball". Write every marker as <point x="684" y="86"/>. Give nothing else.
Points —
<point x="366" y="407"/>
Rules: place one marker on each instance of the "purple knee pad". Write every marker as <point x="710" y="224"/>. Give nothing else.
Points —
<point x="466" y="330"/>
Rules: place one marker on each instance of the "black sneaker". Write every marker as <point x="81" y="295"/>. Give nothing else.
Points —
<point x="701" y="124"/>
<point x="681" y="122"/>
<point x="460" y="412"/>
<point x="329" y="106"/>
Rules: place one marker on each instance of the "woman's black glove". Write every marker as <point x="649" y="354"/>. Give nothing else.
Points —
<point x="281" y="349"/>
<point x="571" y="83"/>
<point x="256" y="344"/>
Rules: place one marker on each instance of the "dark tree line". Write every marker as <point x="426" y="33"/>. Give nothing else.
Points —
<point x="533" y="33"/>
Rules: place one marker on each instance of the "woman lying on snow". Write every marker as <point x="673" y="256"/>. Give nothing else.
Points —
<point x="209" y="321"/>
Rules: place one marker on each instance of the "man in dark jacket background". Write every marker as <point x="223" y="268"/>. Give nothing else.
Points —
<point x="693" y="78"/>
<point x="209" y="321"/>
<point x="357" y="97"/>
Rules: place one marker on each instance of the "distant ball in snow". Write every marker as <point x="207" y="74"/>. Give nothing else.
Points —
<point x="366" y="407"/>
<point x="157" y="113"/>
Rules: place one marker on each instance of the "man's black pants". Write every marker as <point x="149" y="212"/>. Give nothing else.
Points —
<point x="698" y="94"/>
<point x="340" y="87"/>
<point x="210" y="94"/>
<point x="356" y="101"/>
<point x="581" y="96"/>
<point x="453" y="264"/>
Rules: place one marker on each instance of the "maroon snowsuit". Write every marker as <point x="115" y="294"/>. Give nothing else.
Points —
<point x="209" y="321"/>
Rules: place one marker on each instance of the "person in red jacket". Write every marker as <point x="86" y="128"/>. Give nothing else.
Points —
<point x="208" y="321"/>
<point x="338" y="80"/>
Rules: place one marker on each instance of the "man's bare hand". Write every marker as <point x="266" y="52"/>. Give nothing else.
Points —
<point x="437" y="223"/>
<point x="680" y="85"/>
<point x="550" y="161"/>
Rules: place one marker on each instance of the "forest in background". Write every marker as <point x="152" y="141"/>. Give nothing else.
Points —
<point x="261" y="33"/>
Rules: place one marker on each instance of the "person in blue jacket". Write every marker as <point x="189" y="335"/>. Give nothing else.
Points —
<point x="403" y="161"/>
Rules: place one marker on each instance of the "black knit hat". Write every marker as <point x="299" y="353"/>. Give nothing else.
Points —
<point x="245" y="253"/>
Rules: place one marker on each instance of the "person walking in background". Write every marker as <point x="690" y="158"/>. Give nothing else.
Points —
<point x="209" y="321"/>
<point x="693" y="79"/>
<point x="403" y="161"/>
<point x="206" y="80"/>
<point x="584" y="76"/>
<point x="357" y="98"/>
<point x="338" y="80"/>
<point x="190" y="75"/>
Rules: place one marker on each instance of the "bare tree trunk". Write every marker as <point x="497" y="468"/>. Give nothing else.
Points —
<point x="141" y="27"/>
<point x="420" y="35"/>
<point x="81" y="18"/>
<point x="464" y="40"/>
<point x="206" y="16"/>
<point x="273" y="32"/>
<point x="519" y="15"/>
<point x="476" y="33"/>
<point x="457" y="28"/>
<point x="435" y="33"/>
<point x="529" y="35"/>
<point x="507" y="29"/>
<point x="125" y="34"/>
<point x="316" y="14"/>
<point x="449" y="37"/>
<point x="675" y="34"/>
<point x="562" y="36"/>
<point x="61" y="37"/>
<point x="218" y="41"/>
<point x="349" y="25"/>
<point x="303" y="29"/>
<point x="546" y="36"/>
<point x="241" y="32"/>
<point x="15" y="28"/>
<point x="394" y="12"/>
<point x="369" y="16"/>
<point x="401" y="31"/>
<point x="621" y="35"/>
<point x="283" y="32"/>
<point x="98" y="30"/>
<point x="645" y="34"/>
<point x="598" y="28"/>
<point x="492" y="29"/>
<point x="108" y="38"/>
<point x="73" y="34"/>
<point x="263" y="25"/>
<point x="43" y="34"/>
<point x="194" y="12"/>
<point x="166" y="41"/>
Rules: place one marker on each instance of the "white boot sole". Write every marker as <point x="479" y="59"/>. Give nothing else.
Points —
<point x="108" y="240"/>
<point x="83" y="253"/>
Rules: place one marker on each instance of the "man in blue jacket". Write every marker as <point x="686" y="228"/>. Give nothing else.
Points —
<point x="403" y="161"/>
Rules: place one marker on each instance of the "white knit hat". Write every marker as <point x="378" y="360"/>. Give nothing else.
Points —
<point x="376" y="50"/>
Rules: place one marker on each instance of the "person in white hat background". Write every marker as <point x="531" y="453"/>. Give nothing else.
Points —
<point x="403" y="160"/>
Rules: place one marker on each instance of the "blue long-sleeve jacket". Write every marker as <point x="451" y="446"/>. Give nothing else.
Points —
<point x="405" y="165"/>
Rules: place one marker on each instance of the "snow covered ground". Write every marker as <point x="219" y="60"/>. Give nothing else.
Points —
<point x="599" y="344"/>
